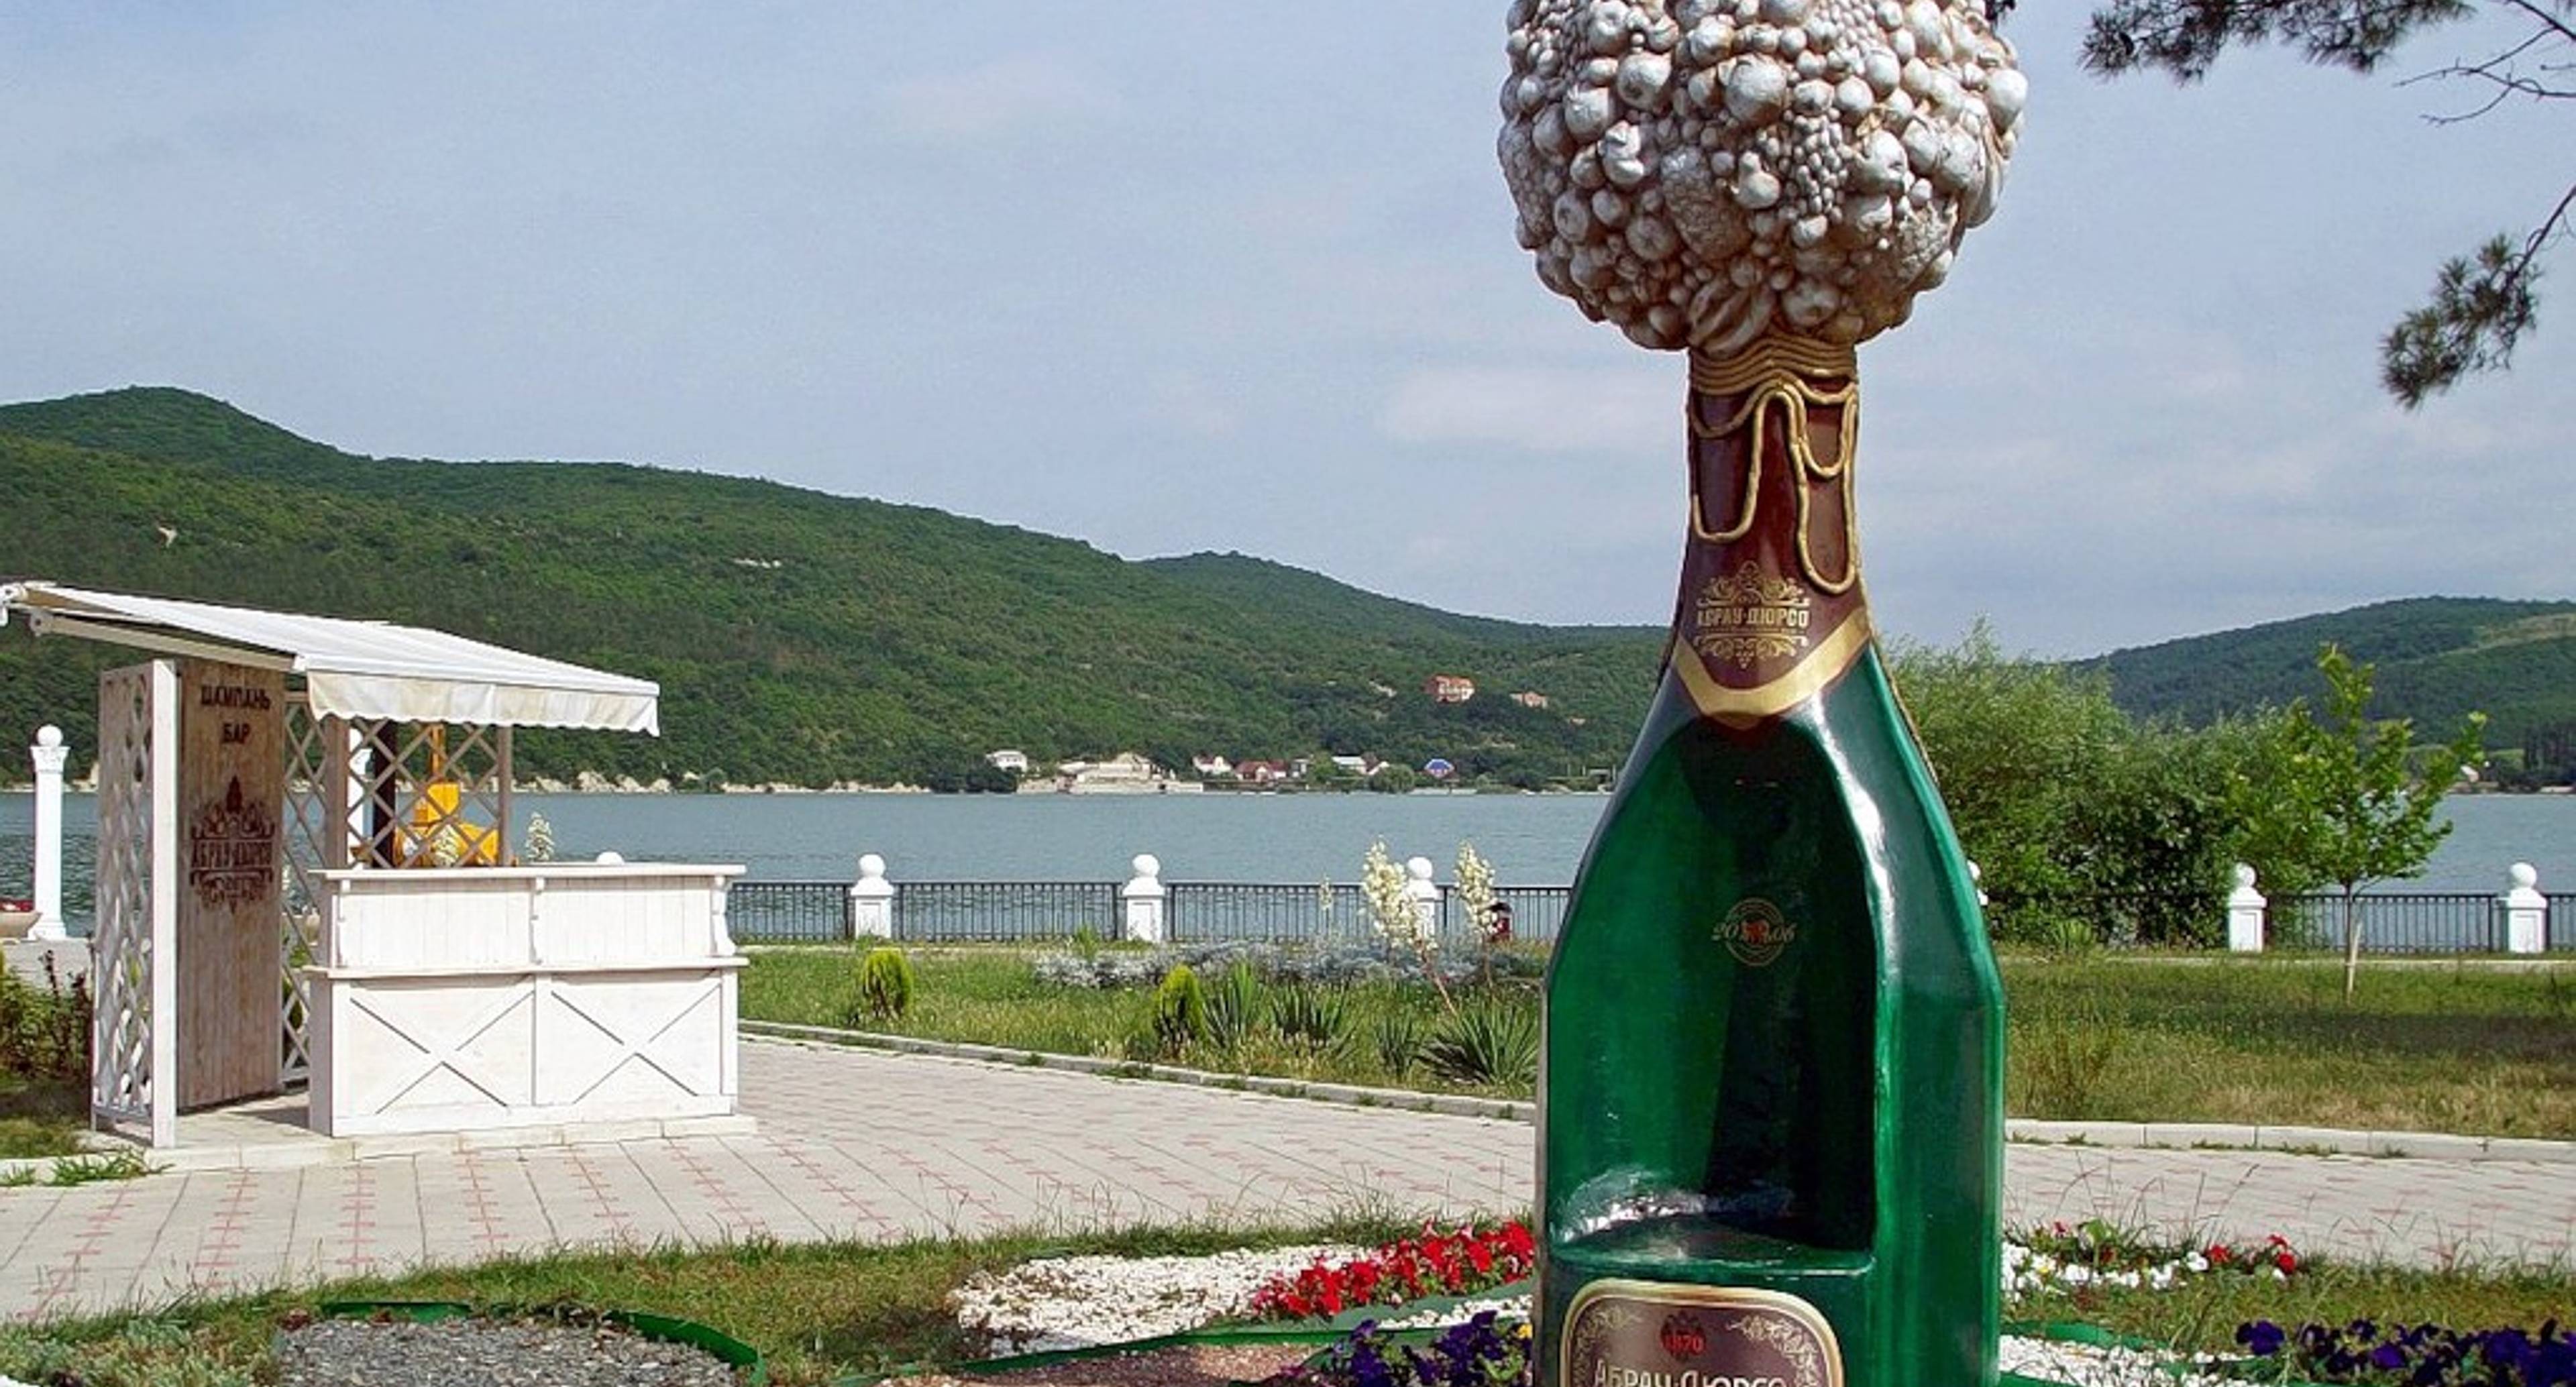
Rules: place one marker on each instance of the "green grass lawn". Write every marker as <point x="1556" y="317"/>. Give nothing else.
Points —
<point x="818" y="1312"/>
<point x="2452" y="1048"/>
<point x="822" y="1312"/>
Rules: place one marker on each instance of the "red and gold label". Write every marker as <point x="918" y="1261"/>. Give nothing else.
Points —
<point x="1771" y="605"/>
<point x="1755" y="932"/>
<point x="1658" y="1334"/>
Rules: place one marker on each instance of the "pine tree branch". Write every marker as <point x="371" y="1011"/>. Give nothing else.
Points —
<point x="2481" y="306"/>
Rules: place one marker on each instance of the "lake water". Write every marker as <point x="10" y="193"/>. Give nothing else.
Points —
<point x="1530" y="839"/>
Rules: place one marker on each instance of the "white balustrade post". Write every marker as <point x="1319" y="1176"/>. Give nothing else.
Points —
<point x="49" y="753"/>
<point x="1425" y="896"/>
<point x="1977" y="879"/>
<point x="1143" y="900"/>
<point x="2525" y="911"/>
<point x="2245" y="914"/>
<point x="871" y="900"/>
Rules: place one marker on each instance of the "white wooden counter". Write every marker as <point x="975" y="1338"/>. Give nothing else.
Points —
<point x="460" y="999"/>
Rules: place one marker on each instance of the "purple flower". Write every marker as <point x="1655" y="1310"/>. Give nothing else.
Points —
<point x="2262" y="1338"/>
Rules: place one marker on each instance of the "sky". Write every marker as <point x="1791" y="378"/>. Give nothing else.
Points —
<point x="1170" y="278"/>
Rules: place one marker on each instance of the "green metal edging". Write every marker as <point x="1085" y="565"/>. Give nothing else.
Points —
<point x="732" y="1352"/>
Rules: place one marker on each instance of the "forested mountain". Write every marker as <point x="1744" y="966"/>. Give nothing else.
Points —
<point x="2438" y="659"/>
<point x="807" y="638"/>
<point x="799" y="637"/>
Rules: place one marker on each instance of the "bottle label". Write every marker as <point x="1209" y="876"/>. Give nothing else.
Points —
<point x="1771" y="606"/>
<point x="1755" y="932"/>
<point x="1658" y="1334"/>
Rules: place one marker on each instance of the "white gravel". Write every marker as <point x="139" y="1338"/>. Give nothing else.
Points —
<point x="1075" y="1302"/>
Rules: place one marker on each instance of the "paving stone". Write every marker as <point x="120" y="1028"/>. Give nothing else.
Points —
<point x="880" y="1146"/>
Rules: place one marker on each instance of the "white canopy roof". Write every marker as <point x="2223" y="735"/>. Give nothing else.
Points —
<point x="355" y="669"/>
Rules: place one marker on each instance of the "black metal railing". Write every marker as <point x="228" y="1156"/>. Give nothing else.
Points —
<point x="999" y="911"/>
<point x="1203" y="911"/>
<point x="788" y="912"/>
<point x="2392" y="922"/>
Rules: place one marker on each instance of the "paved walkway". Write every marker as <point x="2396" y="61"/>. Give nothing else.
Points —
<point x="859" y="1144"/>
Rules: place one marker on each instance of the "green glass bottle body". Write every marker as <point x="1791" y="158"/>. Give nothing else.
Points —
<point x="1774" y="1030"/>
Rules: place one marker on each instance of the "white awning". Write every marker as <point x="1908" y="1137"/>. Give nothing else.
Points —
<point x="355" y="669"/>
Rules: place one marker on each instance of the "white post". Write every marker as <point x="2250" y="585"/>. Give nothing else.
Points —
<point x="49" y="753"/>
<point x="871" y="900"/>
<point x="165" y="904"/>
<point x="2244" y="914"/>
<point x="1143" y="899"/>
<point x="1977" y="879"/>
<point x="1424" y="895"/>
<point x="2525" y="911"/>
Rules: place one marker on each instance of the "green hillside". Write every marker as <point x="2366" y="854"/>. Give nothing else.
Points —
<point x="2438" y="657"/>
<point x="799" y="637"/>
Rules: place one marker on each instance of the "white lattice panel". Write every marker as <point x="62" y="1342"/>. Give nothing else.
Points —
<point x="128" y="970"/>
<point x="316" y="841"/>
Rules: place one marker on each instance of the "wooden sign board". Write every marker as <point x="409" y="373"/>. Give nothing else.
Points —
<point x="232" y="795"/>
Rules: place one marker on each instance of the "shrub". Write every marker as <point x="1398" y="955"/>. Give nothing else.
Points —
<point x="1233" y="1006"/>
<point x="1310" y="1017"/>
<point x="1490" y="1041"/>
<point x="44" y="1035"/>
<point x="1180" y="1009"/>
<point x="885" y="984"/>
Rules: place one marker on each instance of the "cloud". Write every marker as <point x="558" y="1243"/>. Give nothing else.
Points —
<point x="1006" y="95"/>
<point x="1543" y="409"/>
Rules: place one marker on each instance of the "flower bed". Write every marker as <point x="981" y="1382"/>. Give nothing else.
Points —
<point x="2417" y="1355"/>
<point x="2059" y="1259"/>
<point x="1458" y="1262"/>
<point x="1460" y="1339"/>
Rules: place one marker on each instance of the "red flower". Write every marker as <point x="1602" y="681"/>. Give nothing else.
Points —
<point x="1434" y="1262"/>
<point x="2218" y="1254"/>
<point x="2286" y="1260"/>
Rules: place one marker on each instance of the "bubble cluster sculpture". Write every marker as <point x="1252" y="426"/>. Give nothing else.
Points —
<point x="1701" y="172"/>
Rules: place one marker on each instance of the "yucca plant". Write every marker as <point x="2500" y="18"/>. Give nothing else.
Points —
<point x="1180" y="1009"/>
<point x="885" y="984"/>
<point x="1488" y="1042"/>
<point x="1310" y="1017"/>
<point x="1399" y="1040"/>
<point x="1233" y="1006"/>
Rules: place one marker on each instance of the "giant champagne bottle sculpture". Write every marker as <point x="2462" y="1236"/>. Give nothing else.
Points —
<point x="1771" y="1107"/>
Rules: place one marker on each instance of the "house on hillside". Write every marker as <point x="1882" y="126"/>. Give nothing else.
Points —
<point x="1449" y="688"/>
<point x="1212" y="767"/>
<point x="1016" y="762"/>
<point x="1528" y="699"/>
<point x="1359" y="765"/>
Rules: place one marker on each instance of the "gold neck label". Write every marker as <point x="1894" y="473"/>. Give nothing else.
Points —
<point x="1771" y="608"/>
